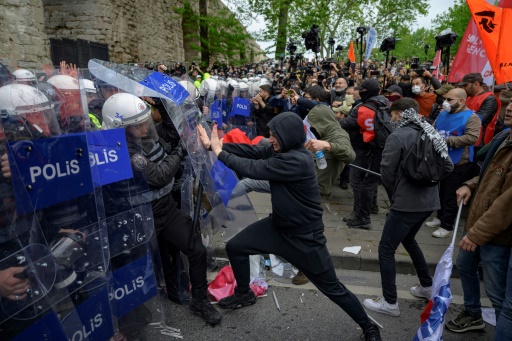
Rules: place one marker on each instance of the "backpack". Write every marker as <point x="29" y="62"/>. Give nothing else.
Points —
<point x="423" y="165"/>
<point x="381" y="122"/>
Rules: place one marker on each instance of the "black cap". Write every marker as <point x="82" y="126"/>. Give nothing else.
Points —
<point x="369" y="85"/>
<point x="471" y="78"/>
<point x="395" y="88"/>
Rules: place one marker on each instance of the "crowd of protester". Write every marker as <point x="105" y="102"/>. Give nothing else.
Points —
<point x="339" y="104"/>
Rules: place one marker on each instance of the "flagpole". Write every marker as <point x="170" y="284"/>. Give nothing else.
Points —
<point x="457" y="220"/>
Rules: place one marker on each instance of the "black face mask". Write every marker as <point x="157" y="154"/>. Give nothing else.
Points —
<point x="365" y="95"/>
<point x="439" y="100"/>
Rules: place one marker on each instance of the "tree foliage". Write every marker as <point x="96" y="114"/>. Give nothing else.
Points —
<point x="338" y="19"/>
<point x="217" y="32"/>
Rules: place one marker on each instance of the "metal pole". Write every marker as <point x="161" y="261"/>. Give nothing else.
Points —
<point x="364" y="169"/>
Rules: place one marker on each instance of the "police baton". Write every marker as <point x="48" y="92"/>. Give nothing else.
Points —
<point x="364" y="169"/>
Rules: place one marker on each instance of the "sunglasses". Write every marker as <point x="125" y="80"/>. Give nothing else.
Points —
<point x="451" y="99"/>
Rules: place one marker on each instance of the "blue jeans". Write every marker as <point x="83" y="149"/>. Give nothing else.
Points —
<point x="504" y="324"/>
<point x="401" y="227"/>
<point x="494" y="262"/>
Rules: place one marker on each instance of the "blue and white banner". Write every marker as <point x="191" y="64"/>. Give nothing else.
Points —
<point x="108" y="156"/>
<point x="241" y="106"/>
<point x="134" y="284"/>
<point x="49" y="171"/>
<point x="371" y="41"/>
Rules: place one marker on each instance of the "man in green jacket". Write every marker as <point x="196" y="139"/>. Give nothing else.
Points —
<point x="335" y="143"/>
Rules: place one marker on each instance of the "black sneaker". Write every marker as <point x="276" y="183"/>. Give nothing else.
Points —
<point x="203" y="307"/>
<point x="464" y="322"/>
<point x="359" y="223"/>
<point x="238" y="300"/>
<point x="351" y="216"/>
<point x="371" y="334"/>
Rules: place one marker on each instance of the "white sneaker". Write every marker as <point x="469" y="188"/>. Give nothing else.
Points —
<point x="441" y="233"/>
<point x="421" y="292"/>
<point x="380" y="305"/>
<point x="433" y="223"/>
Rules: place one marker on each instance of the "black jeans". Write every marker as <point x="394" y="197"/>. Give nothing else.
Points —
<point x="401" y="227"/>
<point x="365" y="184"/>
<point x="448" y="187"/>
<point x="262" y="237"/>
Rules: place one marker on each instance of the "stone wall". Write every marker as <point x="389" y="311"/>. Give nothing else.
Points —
<point x="134" y="30"/>
<point x="23" y="41"/>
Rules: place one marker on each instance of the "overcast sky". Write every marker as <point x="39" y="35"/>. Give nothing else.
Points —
<point x="436" y="7"/>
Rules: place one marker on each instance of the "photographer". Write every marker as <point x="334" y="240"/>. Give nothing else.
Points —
<point x="261" y="110"/>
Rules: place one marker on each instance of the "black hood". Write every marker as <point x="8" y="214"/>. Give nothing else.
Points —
<point x="288" y="129"/>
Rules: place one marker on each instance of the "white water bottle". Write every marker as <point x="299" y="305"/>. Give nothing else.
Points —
<point x="321" y="162"/>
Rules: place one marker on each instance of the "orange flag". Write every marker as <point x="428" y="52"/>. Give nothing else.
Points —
<point x="351" y="53"/>
<point x="495" y="29"/>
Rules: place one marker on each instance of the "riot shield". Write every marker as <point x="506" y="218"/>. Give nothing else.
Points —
<point x="232" y="214"/>
<point x="52" y="231"/>
<point x="240" y="109"/>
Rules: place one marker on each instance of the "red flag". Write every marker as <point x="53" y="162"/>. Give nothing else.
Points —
<point x="437" y="61"/>
<point x="495" y="27"/>
<point x="351" y="54"/>
<point x="470" y="57"/>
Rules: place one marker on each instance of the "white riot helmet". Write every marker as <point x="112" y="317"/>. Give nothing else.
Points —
<point x="234" y="88"/>
<point x="90" y="89"/>
<point x="244" y="89"/>
<point x="88" y="85"/>
<point x="191" y="88"/>
<point x="208" y="89"/>
<point x="24" y="77"/>
<point x="129" y="111"/>
<point x="64" y="82"/>
<point x="26" y="113"/>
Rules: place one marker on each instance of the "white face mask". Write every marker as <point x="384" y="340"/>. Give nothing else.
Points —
<point x="446" y="106"/>
<point x="416" y="89"/>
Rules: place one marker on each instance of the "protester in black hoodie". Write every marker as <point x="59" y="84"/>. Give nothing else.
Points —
<point x="295" y="229"/>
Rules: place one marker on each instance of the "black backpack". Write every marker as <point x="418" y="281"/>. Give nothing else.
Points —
<point x="423" y="165"/>
<point x="381" y="122"/>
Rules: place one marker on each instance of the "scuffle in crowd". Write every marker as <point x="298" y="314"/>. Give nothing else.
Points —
<point x="309" y="120"/>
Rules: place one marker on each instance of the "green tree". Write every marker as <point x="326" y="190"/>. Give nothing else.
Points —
<point x="337" y="19"/>
<point x="219" y="33"/>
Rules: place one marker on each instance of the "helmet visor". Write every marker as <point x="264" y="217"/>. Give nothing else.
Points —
<point x="144" y="131"/>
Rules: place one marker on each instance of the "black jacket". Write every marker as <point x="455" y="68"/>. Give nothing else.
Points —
<point x="295" y="199"/>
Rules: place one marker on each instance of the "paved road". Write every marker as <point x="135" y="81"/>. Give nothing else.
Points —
<point x="315" y="318"/>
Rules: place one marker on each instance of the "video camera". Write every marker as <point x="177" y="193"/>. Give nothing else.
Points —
<point x="311" y="39"/>
<point x="291" y="47"/>
<point x="326" y="65"/>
